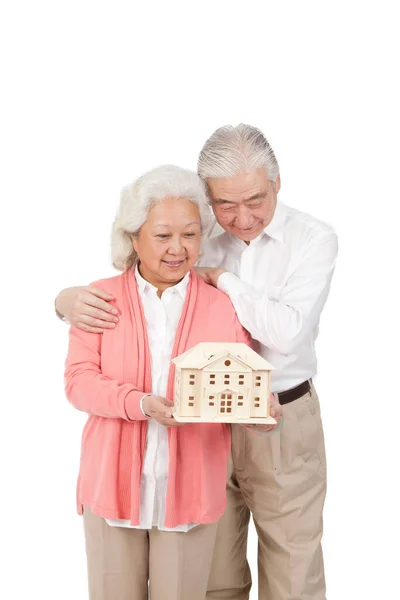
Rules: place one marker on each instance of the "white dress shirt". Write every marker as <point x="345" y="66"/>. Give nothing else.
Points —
<point x="278" y="285"/>
<point x="162" y="316"/>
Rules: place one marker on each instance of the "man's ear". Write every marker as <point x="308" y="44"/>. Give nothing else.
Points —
<point x="278" y="184"/>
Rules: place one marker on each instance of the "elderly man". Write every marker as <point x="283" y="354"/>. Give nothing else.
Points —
<point x="276" y="265"/>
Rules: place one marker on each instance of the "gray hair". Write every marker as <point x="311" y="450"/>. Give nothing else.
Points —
<point x="232" y="150"/>
<point x="137" y="199"/>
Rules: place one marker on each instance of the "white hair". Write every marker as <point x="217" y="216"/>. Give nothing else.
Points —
<point x="167" y="181"/>
<point x="233" y="150"/>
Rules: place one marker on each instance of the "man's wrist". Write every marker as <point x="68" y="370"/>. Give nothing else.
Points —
<point x="218" y="275"/>
<point x="226" y="281"/>
<point x="59" y="315"/>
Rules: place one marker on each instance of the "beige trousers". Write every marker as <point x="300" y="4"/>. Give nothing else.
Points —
<point x="121" y="561"/>
<point x="281" y="480"/>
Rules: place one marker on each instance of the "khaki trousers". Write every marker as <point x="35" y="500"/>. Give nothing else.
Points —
<point x="281" y="480"/>
<point x="121" y="561"/>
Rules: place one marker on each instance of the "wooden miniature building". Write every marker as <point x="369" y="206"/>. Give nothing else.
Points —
<point x="222" y="382"/>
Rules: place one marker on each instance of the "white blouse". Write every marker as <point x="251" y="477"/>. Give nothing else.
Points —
<point x="162" y="317"/>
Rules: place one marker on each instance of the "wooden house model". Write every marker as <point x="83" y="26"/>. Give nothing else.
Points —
<point x="222" y="382"/>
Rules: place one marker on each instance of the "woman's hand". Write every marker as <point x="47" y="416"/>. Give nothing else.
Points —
<point x="275" y="411"/>
<point x="87" y="308"/>
<point x="160" y="409"/>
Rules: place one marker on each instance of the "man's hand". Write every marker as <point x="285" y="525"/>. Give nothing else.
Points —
<point x="160" y="409"/>
<point x="87" y="308"/>
<point x="275" y="411"/>
<point x="210" y="274"/>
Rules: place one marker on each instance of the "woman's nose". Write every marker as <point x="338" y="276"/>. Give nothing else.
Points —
<point x="175" y="246"/>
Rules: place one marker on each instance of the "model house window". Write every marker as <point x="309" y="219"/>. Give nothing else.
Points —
<point x="191" y="400"/>
<point x="240" y="400"/>
<point x="192" y="379"/>
<point x="241" y="379"/>
<point x="227" y="363"/>
<point x="211" y="400"/>
<point x="258" y="381"/>
<point x="257" y="402"/>
<point x="212" y="379"/>
<point x="226" y="379"/>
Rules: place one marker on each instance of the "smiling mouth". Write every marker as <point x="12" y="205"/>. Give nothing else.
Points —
<point x="173" y="264"/>
<point x="248" y="230"/>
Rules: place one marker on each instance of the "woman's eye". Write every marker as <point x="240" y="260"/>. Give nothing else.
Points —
<point x="190" y="235"/>
<point x="163" y="236"/>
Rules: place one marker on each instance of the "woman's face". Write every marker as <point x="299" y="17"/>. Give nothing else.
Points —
<point x="168" y="243"/>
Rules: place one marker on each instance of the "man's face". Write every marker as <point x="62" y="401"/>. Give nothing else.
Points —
<point x="245" y="204"/>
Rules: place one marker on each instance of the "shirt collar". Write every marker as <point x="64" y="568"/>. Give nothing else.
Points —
<point x="275" y="228"/>
<point x="144" y="285"/>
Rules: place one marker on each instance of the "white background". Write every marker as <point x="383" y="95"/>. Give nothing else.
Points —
<point x="93" y="94"/>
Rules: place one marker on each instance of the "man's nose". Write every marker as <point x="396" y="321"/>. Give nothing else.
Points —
<point x="244" y="218"/>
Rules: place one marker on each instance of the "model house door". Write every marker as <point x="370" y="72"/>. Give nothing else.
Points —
<point x="227" y="403"/>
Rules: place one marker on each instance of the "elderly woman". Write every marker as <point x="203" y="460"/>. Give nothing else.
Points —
<point x="151" y="491"/>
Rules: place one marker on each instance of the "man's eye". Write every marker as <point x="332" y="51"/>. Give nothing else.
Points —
<point x="163" y="236"/>
<point x="190" y="234"/>
<point x="227" y="208"/>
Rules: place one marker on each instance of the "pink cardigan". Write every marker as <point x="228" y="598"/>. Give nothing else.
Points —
<point x="107" y="375"/>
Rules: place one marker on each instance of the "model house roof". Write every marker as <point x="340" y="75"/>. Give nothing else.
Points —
<point x="205" y="353"/>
